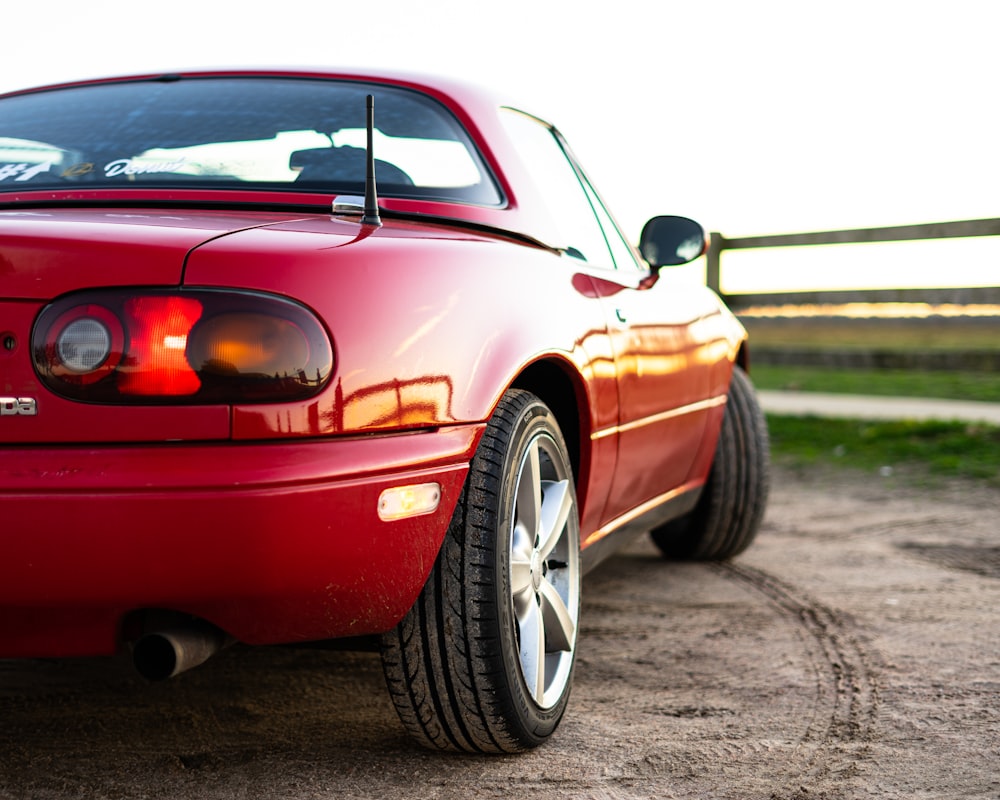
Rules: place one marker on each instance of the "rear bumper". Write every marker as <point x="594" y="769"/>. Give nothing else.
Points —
<point x="270" y="542"/>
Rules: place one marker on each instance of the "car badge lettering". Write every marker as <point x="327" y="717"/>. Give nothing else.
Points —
<point x="18" y="407"/>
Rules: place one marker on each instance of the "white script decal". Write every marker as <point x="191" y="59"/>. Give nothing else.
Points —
<point x="129" y="166"/>
<point x="24" y="172"/>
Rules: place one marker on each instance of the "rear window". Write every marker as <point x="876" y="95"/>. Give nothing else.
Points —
<point x="267" y="133"/>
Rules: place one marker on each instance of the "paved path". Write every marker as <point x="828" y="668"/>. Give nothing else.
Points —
<point x="870" y="407"/>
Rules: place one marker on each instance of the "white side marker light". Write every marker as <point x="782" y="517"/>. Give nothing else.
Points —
<point x="401" y="502"/>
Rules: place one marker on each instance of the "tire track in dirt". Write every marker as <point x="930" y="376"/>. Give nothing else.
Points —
<point x="826" y="663"/>
<point x="846" y="674"/>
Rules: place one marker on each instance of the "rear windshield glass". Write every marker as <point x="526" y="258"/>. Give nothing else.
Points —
<point x="246" y="133"/>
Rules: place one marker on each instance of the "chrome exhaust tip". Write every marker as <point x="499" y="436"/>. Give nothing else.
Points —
<point x="160" y="655"/>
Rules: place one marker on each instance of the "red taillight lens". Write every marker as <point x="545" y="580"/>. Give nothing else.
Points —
<point x="204" y="346"/>
<point x="156" y="365"/>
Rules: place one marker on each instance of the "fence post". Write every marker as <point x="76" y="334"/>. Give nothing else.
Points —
<point x="716" y="245"/>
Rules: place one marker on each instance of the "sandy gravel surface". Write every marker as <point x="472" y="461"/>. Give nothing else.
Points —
<point x="853" y="652"/>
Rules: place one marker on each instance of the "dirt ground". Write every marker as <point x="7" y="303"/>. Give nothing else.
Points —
<point x="853" y="652"/>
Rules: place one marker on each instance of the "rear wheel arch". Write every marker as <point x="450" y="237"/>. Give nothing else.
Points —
<point x="743" y="358"/>
<point x="563" y="392"/>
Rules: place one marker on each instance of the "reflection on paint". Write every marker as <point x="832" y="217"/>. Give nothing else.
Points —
<point x="398" y="403"/>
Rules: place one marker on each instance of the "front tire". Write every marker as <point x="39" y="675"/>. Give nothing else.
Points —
<point x="483" y="662"/>
<point x="732" y="503"/>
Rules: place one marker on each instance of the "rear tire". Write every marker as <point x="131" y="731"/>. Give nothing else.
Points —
<point x="483" y="662"/>
<point x="732" y="503"/>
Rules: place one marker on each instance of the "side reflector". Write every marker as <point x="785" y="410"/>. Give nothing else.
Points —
<point x="401" y="502"/>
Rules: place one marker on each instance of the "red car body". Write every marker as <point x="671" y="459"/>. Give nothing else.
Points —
<point x="262" y="518"/>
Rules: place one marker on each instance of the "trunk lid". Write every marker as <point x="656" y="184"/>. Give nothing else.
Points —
<point x="45" y="253"/>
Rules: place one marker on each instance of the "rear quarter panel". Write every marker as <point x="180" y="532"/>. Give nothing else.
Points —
<point x="429" y="328"/>
<point x="431" y="325"/>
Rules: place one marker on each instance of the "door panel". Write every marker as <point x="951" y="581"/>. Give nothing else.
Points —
<point x="665" y="348"/>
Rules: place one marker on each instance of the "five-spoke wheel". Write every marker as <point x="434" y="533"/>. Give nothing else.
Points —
<point x="483" y="662"/>
<point x="544" y="581"/>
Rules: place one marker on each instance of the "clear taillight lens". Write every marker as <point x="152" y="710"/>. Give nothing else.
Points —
<point x="168" y="346"/>
<point x="84" y="345"/>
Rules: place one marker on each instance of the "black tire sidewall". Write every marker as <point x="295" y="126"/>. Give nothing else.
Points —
<point x="732" y="502"/>
<point x="533" y="420"/>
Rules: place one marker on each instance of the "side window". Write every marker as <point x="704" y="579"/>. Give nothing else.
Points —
<point x="622" y="252"/>
<point x="560" y="185"/>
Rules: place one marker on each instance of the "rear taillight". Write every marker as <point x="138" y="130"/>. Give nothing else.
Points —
<point x="169" y="346"/>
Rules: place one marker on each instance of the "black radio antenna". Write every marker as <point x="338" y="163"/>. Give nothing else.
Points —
<point x="370" y="216"/>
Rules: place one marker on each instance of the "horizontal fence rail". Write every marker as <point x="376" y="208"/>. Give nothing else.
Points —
<point x="896" y="233"/>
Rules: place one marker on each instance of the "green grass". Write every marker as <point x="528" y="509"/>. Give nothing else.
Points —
<point x="984" y="386"/>
<point x="924" y="452"/>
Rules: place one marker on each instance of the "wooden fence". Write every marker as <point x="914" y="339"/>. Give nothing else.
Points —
<point x="899" y="233"/>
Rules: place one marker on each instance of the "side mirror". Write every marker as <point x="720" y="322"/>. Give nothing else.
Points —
<point x="672" y="241"/>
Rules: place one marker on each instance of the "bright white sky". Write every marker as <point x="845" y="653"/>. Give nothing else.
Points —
<point x="752" y="117"/>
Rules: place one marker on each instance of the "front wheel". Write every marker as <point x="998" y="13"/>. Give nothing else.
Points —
<point x="483" y="662"/>
<point x="731" y="506"/>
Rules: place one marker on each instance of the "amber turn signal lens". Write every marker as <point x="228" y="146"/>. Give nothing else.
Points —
<point x="249" y="344"/>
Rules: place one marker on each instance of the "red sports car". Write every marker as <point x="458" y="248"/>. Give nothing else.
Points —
<point x="295" y="356"/>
